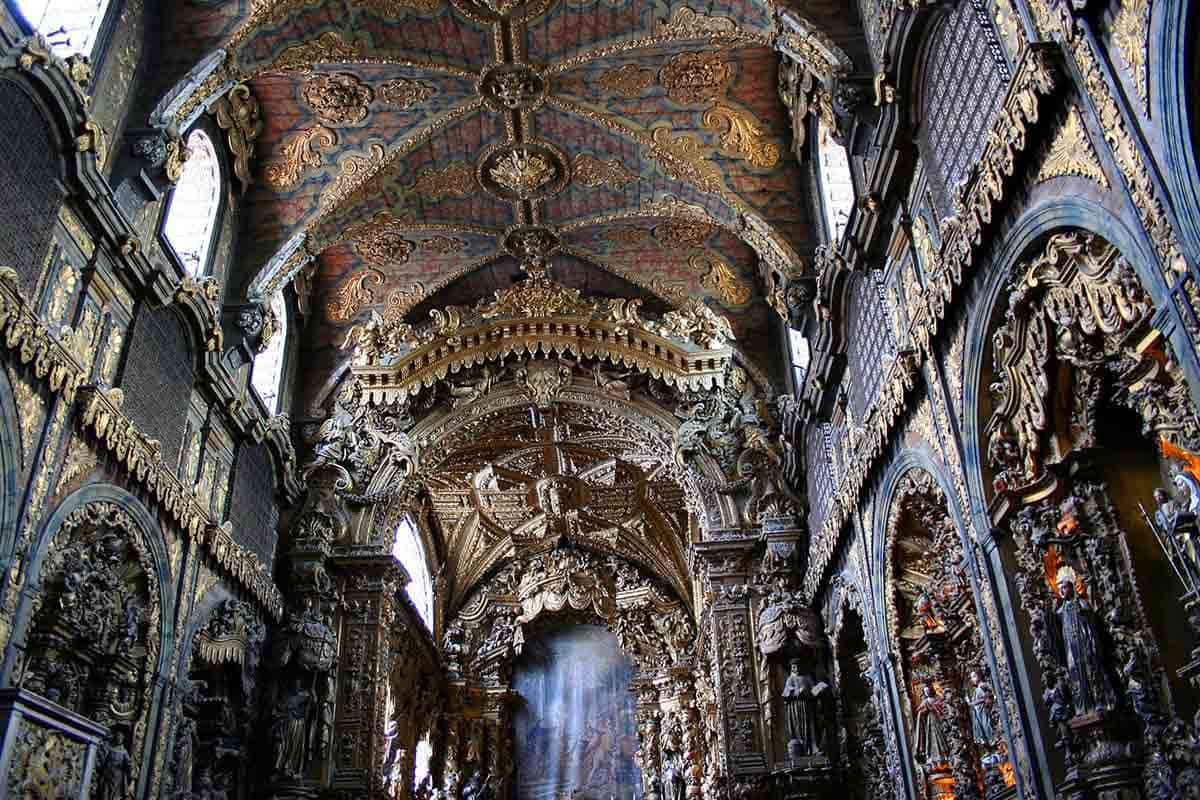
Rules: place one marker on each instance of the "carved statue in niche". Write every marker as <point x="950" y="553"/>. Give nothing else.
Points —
<point x="802" y="696"/>
<point x="1091" y="687"/>
<point x="982" y="701"/>
<point x="673" y="784"/>
<point x="115" y="779"/>
<point x="932" y="746"/>
<point x="290" y="726"/>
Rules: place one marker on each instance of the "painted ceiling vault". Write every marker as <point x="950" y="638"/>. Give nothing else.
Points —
<point x="419" y="148"/>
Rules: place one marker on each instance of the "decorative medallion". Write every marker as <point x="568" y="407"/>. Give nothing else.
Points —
<point x="691" y="78"/>
<point x="456" y="179"/>
<point x="688" y="24"/>
<point x="683" y="234"/>
<point x="403" y="93"/>
<point x="629" y="80"/>
<point x="530" y="242"/>
<point x="353" y="295"/>
<point x="337" y="99"/>
<point x="527" y="171"/>
<point x="742" y="135"/>
<point x="681" y="157"/>
<point x="299" y="153"/>
<point x="382" y="245"/>
<point x="512" y="87"/>
<point x="443" y="245"/>
<point x="590" y="171"/>
<point x="721" y="279"/>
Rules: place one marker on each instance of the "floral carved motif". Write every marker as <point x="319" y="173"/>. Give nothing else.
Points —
<point x="742" y="135"/>
<point x="688" y="24"/>
<point x="682" y="158"/>
<point x="353" y="295"/>
<point x="403" y="93"/>
<point x="299" y="153"/>
<point x="443" y="245"/>
<point x="721" y="278"/>
<point x="684" y="234"/>
<point x="238" y="114"/>
<point x="456" y="179"/>
<point x="1071" y="153"/>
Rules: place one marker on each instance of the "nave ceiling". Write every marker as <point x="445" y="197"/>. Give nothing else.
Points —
<point x="413" y="142"/>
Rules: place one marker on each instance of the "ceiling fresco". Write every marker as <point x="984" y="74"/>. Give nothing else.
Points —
<point x="406" y="141"/>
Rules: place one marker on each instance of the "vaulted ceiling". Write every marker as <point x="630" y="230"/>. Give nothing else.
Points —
<point x="422" y="145"/>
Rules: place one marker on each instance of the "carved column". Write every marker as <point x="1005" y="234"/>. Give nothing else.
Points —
<point x="728" y="566"/>
<point x="366" y="748"/>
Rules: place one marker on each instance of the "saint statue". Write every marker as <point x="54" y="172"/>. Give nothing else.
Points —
<point x="289" y="730"/>
<point x="983" y="731"/>
<point x="1090" y="685"/>
<point x="116" y="772"/>
<point x="672" y="779"/>
<point x="932" y="745"/>
<point x="1178" y="531"/>
<point x="800" y="694"/>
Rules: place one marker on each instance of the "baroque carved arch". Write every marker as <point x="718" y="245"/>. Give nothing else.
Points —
<point x="1078" y="329"/>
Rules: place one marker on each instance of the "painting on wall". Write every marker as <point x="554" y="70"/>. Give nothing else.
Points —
<point x="576" y="728"/>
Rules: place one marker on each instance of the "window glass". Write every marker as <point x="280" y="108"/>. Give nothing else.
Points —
<point x="411" y="555"/>
<point x="799" y="351"/>
<point x="70" y="26"/>
<point x="192" y="213"/>
<point x="266" y="375"/>
<point x="837" y="187"/>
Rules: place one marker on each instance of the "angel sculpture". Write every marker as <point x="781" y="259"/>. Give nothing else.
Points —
<point x="465" y="394"/>
<point x="612" y="385"/>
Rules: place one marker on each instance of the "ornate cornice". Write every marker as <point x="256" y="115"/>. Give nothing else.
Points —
<point x="29" y="340"/>
<point x="962" y="236"/>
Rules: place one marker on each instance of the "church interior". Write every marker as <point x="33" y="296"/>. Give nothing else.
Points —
<point x="599" y="400"/>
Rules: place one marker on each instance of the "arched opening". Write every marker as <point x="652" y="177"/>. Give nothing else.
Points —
<point x="946" y="694"/>
<point x="576" y="720"/>
<point x="189" y="227"/>
<point x="70" y="26"/>
<point x="410" y="552"/>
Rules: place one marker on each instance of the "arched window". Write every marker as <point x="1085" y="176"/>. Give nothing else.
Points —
<point x="192" y="212"/>
<point x="411" y="555"/>
<point x="70" y="26"/>
<point x="837" y="187"/>
<point x="266" y="376"/>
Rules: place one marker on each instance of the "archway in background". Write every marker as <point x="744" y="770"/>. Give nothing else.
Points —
<point x="576" y="723"/>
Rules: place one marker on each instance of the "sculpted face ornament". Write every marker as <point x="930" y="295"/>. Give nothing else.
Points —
<point x="512" y="87"/>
